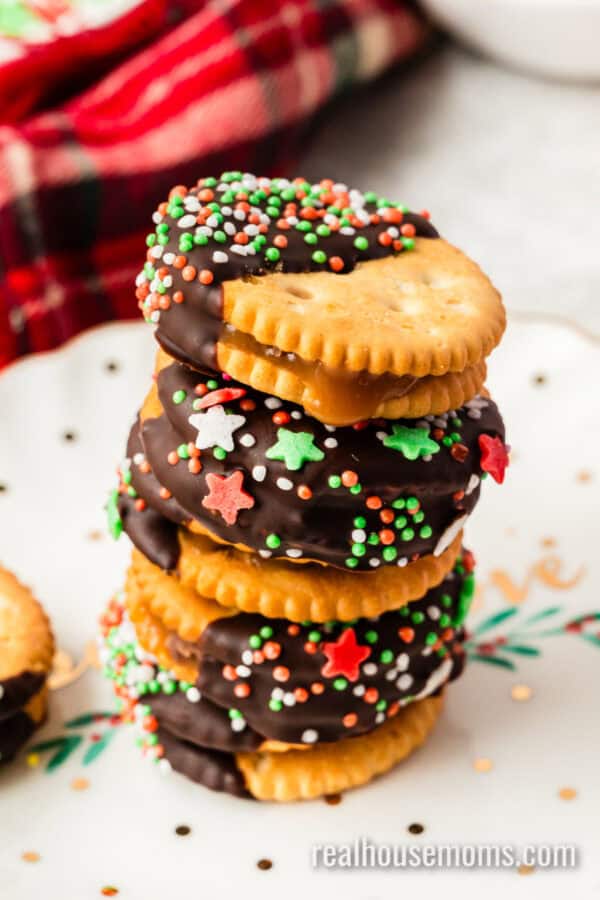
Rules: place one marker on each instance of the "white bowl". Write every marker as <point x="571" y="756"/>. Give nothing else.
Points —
<point x="554" y="38"/>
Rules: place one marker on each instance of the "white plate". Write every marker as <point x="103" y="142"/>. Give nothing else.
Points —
<point x="539" y="529"/>
<point x="555" y="38"/>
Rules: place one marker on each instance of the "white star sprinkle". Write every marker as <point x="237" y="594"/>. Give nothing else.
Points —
<point x="215" y="428"/>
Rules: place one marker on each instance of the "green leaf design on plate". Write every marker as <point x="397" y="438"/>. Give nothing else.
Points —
<point x="69" y="743"/>
<point x="496" y="619"/>
<point x="87" y="719"/>
<point x="493" y="660"/>
<point x="48" y="745"/>
<point x="591" y="639"/>
<point x="98" y="747"/>
<point x="521" y="649"/>
<point x="542" y="614"/>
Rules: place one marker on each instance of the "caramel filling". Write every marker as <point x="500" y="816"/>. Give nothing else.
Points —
<point x="334" y="396"/>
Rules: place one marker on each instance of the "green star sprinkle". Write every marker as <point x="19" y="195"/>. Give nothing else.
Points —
<point x="294" y="448"/>
<point x="411" y="442"/>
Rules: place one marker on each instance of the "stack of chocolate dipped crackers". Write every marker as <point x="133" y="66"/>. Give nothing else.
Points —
<point x="296" y="485"/>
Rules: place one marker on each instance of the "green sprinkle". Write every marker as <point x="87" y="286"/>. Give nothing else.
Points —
<point x="373" y="539"/>
<point x="351" y="563"/>
<point x="220" y="237"/>
<point x="212" y="385"/>
<point x="400" y="522"/>
<point x="311" y="238"/>
<point x="169" y="687"/>
<point x="381" y="705"/>
<point x="446" y="600"/>
<point x="266" y="632"/>
<point x="115" y="523"/>
<point x="275" y="705"/>
<point x="319" y="256"/>
<point x="150" y="240"/>
<point x="273" y="541"/>
<point x="386" y="656"/>
<point x="272" y="254"/>
<point x="389" y="554"/>
<point x="418" y="617"/>
<point x="340" y="684"/>
<point x="334" y="481"/>
<point x="371" y="637"/>
<point x="361" y="243"/>
<point x="399" y="503"/>
<point x="255" y="642"/>
<point x="412" y="503"/>
<point x="314" y="636"/>
<point x="407" y="534"/>
<point x="200" y="240"/>
<point x="431" y="638"/>
<point x="426" y="531"/>
<point x="235" y="714"/>
<point x="408" y="243"/>
<point x="183" y="452"/>
<point x="179" y="396"/>
<point x="360" y="522"/>
<point x="219" y="453"/>
<point x="356" y="488"/>
<point x="358" y="549"/>
<point x="445" y="620"/>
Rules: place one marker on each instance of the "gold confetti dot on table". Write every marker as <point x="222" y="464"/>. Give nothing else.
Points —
<point x="539" y="379"/>
<point x="95" y="535"/>
<point x="521" y="692"/>
<point x="584" y="476"/>
<point x="567" y="793"/>
<point x="548" y="542"/>
<point x="80" y="784"/>
<point x="264" y="864"/>
<point x="33" y="760"/>
<point x="30" y="856"/>
<point x="525" y="870"/>
<point x="483" y="764"/>
<point x="109" y="891"/>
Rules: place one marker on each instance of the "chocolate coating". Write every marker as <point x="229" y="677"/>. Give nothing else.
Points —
<point x="16" y="691"/>
<point x="298" y="507"/>
<point x="203" y="723"/>
<point x="210" y="768"/>
<point x="191" y="237"/>
<point x="308" y="684"/>
<point x="15" y="730"/>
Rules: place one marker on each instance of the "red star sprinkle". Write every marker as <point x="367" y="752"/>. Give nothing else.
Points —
<point x="226" y="495"/>
<point x="494" y="457"/>
<point x="345" y="656"/>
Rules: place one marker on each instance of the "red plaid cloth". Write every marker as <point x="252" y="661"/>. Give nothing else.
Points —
<point x="232" y="86"/>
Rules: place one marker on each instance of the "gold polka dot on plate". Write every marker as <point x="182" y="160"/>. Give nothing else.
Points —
<point x="483" y="764"/>
<point x="526" y="870"/>
<point x="567" y="793"/>
<point x="521" y="692"/>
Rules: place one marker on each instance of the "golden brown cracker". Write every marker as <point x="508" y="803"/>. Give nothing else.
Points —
<point x="427" y="312"/>
<point x="331" y="768"/>
<point x="26" y="641"/>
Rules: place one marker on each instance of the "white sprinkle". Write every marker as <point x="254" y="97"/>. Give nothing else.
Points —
<point x="157" y="218"/>
<point x="273" y="403"/>
<point x="374" y="562"/>
<point x="289" y="699"/>
<point x="359" y="536"/>
<point x="226" y="210"/>
<point x="164" y="766"/>
<point x="310" y="736"/>
<point x="330" y="443"/>
<point x="138" y="458"/>
<point x="402" y="661"/>
<point x="369" y="668"/>
<point x="191" y="203"/>
<point x="247" y="657"/>
<point x="229" y="228"/>
<point x="259" y="473"/>
<point x="238" y="724"/>
<point x="347" y="230"/>
<point x="193" y="695"/>
<point x="381" y="435"/>
<point x="277" y="693"/>
<point x="404" y="682"/>
<point x="243" y="671"/>
<point x="265" y="554"/>
<point x="296" y="414"/>
<point x="212" y="221"/>
<point x="284" y="484"/>
<point x="433" y="612"/>
<point x="168" y="281"/>
<point x="156" y="252"/>
<point x="186" y="221"/>
<point x="251" y="230"/>
<point x="293" y="553"/>
<point x="204" y="229"/>
<point x="219" y="257"/>
<point x="239" y="214"/>
<point x="403" y="561"/>
<point x="391" y="674"/>
<point x="330" y="427"/>
<point x="359" y="690"/>
<point x="379" y="718"/>
<point x="247" y="440"/>
<point x="473" y="483"/>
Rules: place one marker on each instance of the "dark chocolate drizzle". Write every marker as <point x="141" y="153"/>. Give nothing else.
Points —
<point x="322" y="527"/>
<point x="190" y="330"/>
